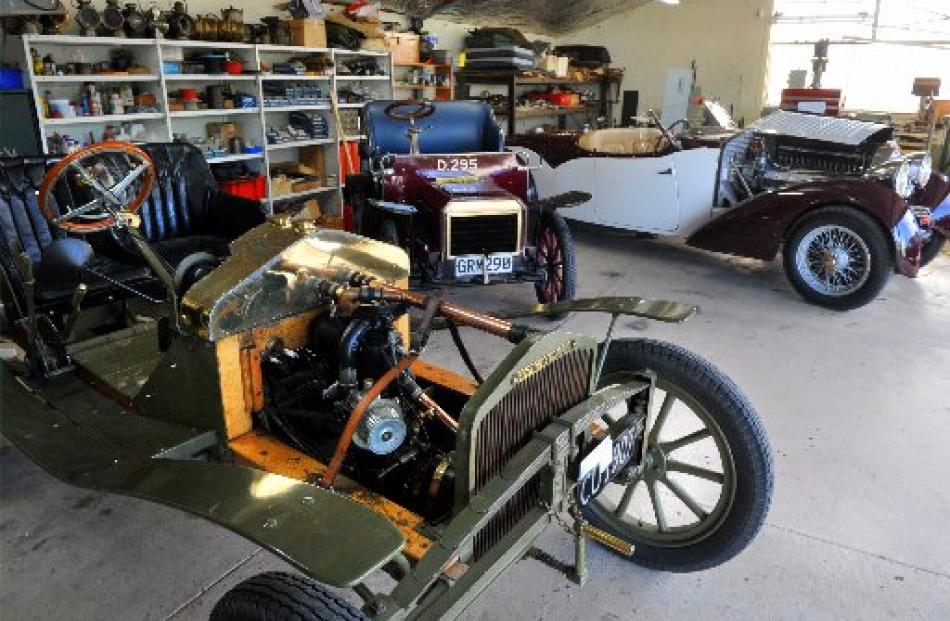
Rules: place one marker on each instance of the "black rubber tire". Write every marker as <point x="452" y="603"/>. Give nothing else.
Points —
<point x="280" y="596"/>
<point x="878" y="247"/>
<point x="557" y="223"/>
<point x="388" y="232"/>
<point x="743" y="431"/>
<point x="932" y="248"/>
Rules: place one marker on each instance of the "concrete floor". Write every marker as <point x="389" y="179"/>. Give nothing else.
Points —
<point x="855" y="405"/>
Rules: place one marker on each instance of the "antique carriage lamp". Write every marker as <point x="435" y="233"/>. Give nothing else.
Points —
<point x="87" y="17"/>
<point x="111" y="19"/>
<point x="135" y="20"/>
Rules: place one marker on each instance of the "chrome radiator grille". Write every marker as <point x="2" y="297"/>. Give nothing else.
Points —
<point x="483" y="234"/>
<point x="509" y="426"/>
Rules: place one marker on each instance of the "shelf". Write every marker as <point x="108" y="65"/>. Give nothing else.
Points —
<point x="341" y="52"/>
<point x="502" y="77"/>
<point x="78" y="40"/>
<point x="293" y="48"/>
<point x="202" y="77"/>
<point x="183" y="114"/>
<point x="363" y="77"/>
<point x="353" y="105"/>
<point x="539" y="112"/>
<point x="105" y="118"/>
<point x="300" y="143"/>
<point x="236" y="157"/>
<point x="289" y="197"/>
<point x="205" y="44"/>
<point x="280" y="77"/>
<point x="423" y="65"/>
<point x="291" y="108"/>
<point x="95" y="77"/>
<point x="422" y="86"/>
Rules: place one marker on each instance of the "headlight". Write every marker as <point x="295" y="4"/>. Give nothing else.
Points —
<point x="924" y="169"/>
<point x="903" y="183"/>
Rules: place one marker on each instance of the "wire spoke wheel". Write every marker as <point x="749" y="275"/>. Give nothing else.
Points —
<point x="684" y="486"/>
<point x="833" y="260"/>
<point x="839" y="257"/>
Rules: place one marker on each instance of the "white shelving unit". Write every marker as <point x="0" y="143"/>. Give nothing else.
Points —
<point x="164" y="125"/>
<point x="73" y="79"/>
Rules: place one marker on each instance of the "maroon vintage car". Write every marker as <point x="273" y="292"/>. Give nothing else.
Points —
<point x="437" y="182"/>
<point x="830" y="193"/>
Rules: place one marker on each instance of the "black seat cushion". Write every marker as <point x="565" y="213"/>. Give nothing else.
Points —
<point x="50" y="293"/>
<point x="22" y="224"/>
<point x="182" y="194"/>
<point x="174" y="250"/>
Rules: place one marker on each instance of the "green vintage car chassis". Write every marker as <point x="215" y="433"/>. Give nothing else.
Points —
<point x="86" y="439"/>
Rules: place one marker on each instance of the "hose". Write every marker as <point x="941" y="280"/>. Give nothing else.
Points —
<point x="346" y="438"/>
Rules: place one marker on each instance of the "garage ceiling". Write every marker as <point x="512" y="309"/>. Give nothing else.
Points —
<point x="549" y="17"/>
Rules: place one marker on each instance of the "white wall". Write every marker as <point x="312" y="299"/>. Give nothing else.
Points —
<point x="727" y="38"/>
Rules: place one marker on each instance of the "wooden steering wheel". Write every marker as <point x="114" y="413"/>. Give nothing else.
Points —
<point x="117" y="175"/>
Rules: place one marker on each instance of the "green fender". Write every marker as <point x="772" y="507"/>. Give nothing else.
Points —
<point x="327" y="536"/>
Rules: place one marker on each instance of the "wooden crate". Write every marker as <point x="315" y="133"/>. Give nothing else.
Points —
<point x="404" y="47"/>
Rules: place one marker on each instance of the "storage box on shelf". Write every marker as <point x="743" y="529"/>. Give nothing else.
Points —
<point x="404" y="47"/>
<point x="308" y="32"/>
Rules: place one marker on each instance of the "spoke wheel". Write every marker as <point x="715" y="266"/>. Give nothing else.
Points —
<point x="555" y="257"/>
<point x="838" y="257"/>
<point x="702" y="487"/>
<point x="686" y="483"/>
<point x="833" y="260"/>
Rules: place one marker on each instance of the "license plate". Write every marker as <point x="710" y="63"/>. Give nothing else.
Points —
<point x="477" y="265"/>
<point x="604" y="462"/>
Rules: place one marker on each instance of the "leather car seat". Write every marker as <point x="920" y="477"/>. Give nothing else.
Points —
<point x="24" y="229"/>
<point x="454" y="127"/>
<point x="635" y="141"/>
<point x="187" y="211"/>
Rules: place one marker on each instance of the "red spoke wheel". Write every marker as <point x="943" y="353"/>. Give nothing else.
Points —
<point x="555" y="256"/>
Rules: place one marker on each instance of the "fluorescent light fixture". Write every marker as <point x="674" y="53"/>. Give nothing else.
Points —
<point x="670" y="1"/>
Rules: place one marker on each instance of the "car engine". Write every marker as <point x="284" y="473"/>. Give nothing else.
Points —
<point x="400" y="449"/>
<point x="788" y="149"/>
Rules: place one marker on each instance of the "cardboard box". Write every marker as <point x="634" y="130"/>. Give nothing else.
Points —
<point x="314" y="158"/>
<point x="558" y="65"/>
<point x="308" y="32"/>
<point x="404" y="47"/>
<point x="223" y="132"/>
<point x="280" y="185"/>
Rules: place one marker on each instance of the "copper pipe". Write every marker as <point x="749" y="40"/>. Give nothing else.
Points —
<point x="460" y="314"/>
<point x="348" y="299"/>
<point x="343" y="444"/>
<point x="429" y="404"/>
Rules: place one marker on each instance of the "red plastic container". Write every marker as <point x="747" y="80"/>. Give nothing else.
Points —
<point x="254" y="188"/>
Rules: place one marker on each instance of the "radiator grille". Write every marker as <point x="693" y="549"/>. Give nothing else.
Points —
<point x="483" y="234"/>
<point x="509" y="426"/>
<point x="830" y="162"/>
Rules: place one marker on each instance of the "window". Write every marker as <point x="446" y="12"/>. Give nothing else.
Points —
<point x="877" y="48"/>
